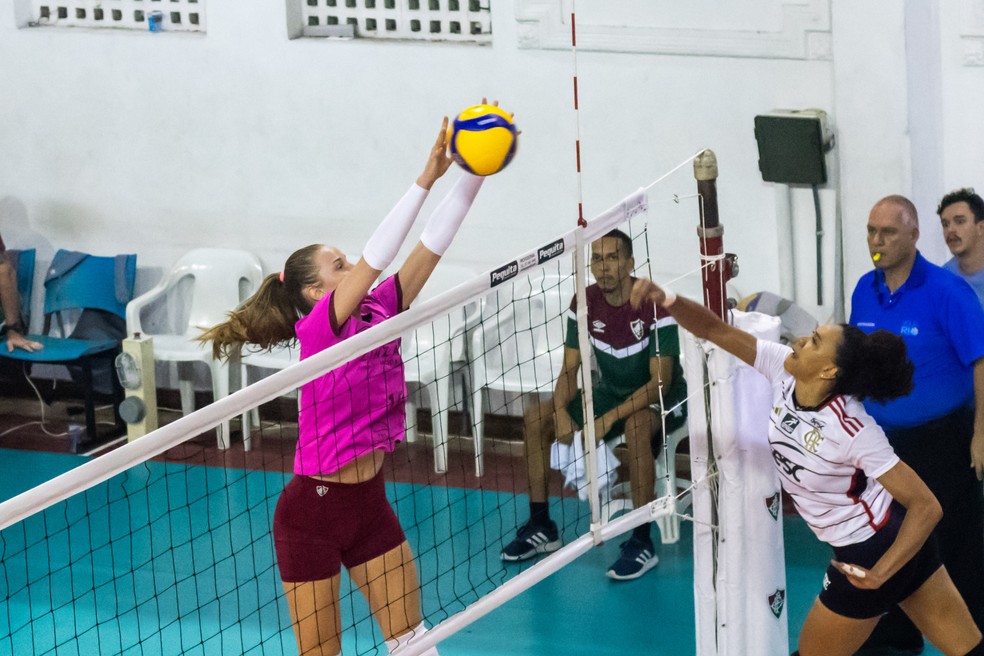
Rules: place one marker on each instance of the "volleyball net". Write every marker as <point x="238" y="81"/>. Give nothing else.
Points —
<point x="164" y="546"/>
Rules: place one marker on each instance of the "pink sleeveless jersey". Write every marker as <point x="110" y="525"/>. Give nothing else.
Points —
<point x="360" y="406"/>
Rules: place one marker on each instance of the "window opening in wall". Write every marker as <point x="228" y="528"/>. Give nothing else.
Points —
<point x="466" y="21"/>
<point x="180" y="15"/>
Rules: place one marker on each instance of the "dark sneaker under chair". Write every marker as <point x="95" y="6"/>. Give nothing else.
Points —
<point x="638" y="557"/>
<point x="531" y="540"/>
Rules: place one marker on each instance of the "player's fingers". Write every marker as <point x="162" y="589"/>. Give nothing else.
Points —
<point x="442" y="134"/>
<point x="644" y="290"/>
<point x="849" y="570"/>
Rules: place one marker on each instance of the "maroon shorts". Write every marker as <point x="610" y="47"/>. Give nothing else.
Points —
<point x="319" y="526"/>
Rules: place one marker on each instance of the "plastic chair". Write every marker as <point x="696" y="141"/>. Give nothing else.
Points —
<point x="432" y="356"/>
<point x="279" y="357"/>
<point x="89" y="283"/>
<point x="619" y="498"/>
<point x="221" y="280"/>
<point x="518" y="346"/>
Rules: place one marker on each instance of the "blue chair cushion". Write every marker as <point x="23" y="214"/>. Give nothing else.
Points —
<point x="57" y="350"/>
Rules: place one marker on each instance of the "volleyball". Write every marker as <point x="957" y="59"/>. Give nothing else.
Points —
<point x="482" y="139"/>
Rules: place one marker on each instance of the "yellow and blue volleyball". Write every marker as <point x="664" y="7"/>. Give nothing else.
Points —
<point x="482" y="139"/>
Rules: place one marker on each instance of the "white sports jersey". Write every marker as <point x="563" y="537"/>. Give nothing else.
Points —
<point x="829" y="458"/>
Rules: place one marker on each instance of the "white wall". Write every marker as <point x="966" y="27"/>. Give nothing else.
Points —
<point x="157" y="143"/>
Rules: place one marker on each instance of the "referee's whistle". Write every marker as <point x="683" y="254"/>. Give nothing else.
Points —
<point x="876" y="257"/>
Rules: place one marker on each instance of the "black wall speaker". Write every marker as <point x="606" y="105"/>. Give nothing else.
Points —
<point x="792" y="145"/>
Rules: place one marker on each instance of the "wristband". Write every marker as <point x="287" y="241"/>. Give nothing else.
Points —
<point x="670" y="297"/>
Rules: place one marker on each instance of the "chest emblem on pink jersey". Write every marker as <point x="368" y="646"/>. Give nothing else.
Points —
<point x="322" y="490"/>
<point x="637" y="327"/>
<point x="598" y="326"/>
<point x="812" y="440"/>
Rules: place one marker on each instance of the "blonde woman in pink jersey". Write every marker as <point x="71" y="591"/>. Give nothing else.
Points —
<point x="334" y="511"/>
<point x="845" y="479"/>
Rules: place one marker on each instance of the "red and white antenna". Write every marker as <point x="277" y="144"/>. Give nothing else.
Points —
<point x="577" y="119"/>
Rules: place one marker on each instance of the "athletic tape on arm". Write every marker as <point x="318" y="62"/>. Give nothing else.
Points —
<point x="447" y="218"/>
<point x="385" y="243"/>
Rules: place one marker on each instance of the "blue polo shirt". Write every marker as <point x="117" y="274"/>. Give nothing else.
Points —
<point x="941" y="320"/>
<point x="975" y="280"/>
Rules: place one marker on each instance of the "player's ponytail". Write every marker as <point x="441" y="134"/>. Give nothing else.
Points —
<point x="267" y="318"/>
<point x="874" y="366"/>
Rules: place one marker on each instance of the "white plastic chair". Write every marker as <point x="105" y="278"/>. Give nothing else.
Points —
<point x="434" y="354"/>
<point x="220" y="280"/>
<point x="279" y="358"/>
<point x="518" y="346"/>
<point x="619" y="497"/>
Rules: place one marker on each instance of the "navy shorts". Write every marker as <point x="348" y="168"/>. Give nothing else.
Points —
<point x="320" y="526"/>
<point x="844" y="599"/>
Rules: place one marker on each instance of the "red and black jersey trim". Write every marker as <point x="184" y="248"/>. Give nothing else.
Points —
<point x="851" y="425"/>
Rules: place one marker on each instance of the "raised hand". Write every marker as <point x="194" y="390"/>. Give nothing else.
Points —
<point x="645" y="290"/>
<point x="438" y="161"/>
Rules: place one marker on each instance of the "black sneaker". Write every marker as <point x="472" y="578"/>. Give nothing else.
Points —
<point x="531" y="540"/>
<point x="638" y="557"/>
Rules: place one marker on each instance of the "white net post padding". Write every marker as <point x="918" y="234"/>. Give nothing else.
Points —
<point x="739" y="566"/>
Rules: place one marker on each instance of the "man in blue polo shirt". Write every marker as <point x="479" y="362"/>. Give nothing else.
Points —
<point x="962" y="219"/>
<point x="934" y="429"/>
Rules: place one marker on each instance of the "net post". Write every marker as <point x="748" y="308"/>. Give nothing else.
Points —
<point x="587" y="393"/>
<point x="717" y="267"/>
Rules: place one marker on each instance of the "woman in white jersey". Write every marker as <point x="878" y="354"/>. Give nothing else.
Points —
<point x="334" y="511"/>
<point x="845" y="479"/>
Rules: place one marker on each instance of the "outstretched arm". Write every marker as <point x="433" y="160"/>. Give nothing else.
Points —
<point x="700" y="321"/>
<point x="441" y="227"/>
<point x="437" y="236"/>
<point x="384" y="244"/>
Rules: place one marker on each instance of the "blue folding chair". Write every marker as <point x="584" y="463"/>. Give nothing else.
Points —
<point x="86" y="282"/>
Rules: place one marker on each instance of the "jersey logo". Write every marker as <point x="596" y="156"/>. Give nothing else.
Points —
<point x="322" y="490"/>
<point x="826" y="581"/>
<point x="772" y="503"/>
<point x="776" y="602"/>
<point x="637" y="327"/>
<point x="598" y="326"/>
<point x="788" y="467"/>
<point x="909" y="328"/>
<point x="812" y="440"/>
<point x="789" y="423"/>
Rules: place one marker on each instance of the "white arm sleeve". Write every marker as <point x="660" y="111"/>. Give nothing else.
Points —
<point x="447" y="218"/>
<point x="385" y="243"/>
